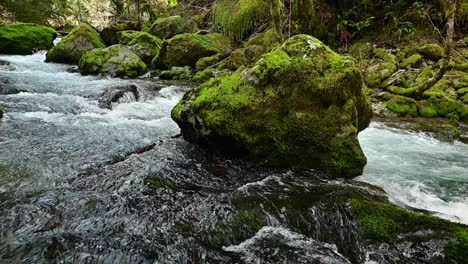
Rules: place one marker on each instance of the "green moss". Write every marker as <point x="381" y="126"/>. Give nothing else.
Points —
<point x="116" y="60"/>
<point x="385" y="222"/>
<point x="431" y="51"/>
<point x="1" y="113"/>
<point x="379" y="72"/>
<point x="238" y="18"/>
<point x="168" y="27"/>
<point x="204" y="75"/>
<point x="155" y="184"/>
<point x="360" y="51"/>
<point x="414" y="61"/>
<point x="187" y="49"/>
<point x="457" y="249"/>
<point x="82" y="39"/>
<point x="384" y="55"/>
<point x="110" y="34"/>
<point x="144" y="45"/>
<point x="175" y="75"/>
<point x="23" y="39"/>
<point x="295" y="107"/>
<point x="206" y="62"/>
<point x="403" y="105"/>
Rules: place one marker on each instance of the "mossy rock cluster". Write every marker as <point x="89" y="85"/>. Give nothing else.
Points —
<point x="186" y="49"/>
<point x="253" y="50"/>
<point x="168" y="27"/>
<point x="146" y="46"/>
<point x="301" y="105"/>
<point x="24" y="39"/>
<point x="110" y="34"/>
<point x="71" y="48"/>
<point x="116" y="60"/>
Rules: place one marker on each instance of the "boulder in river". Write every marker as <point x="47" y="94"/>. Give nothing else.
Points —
<point x="167" y="27"/>
<point x="72" y="47"/>
<point x="300" y="106"/>
<point x="144" y="45"/>
<point x="187" y="49"/>
<point x="118" y="94"/>
<point x="110" y="34"/>
<point x="117" y="60"/>
<point x="24" y="39"/>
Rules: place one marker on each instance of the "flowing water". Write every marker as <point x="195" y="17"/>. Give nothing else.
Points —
<point x="90" y="177"/>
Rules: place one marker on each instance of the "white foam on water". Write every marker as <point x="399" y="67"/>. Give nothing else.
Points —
<point x="418" y="171"/>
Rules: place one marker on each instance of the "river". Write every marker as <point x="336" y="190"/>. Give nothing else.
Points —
<point x="73" y="175"/>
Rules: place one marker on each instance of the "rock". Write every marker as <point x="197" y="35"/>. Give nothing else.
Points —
<point x="110" y="34"/>
<point x="253" y="50"/>
<point x="378" y="72"/>
<point x="187" y="49"/>
<point x="403" y="106"/>
<point x="431" y="51"/>
<point x="360" y="51"/>
<point x="24" y="39"/>
<point x="176" y="73"/>
<point x="117" y="60"/>
<point x="414" y="61"/>
<point x="72" y="47"/>
<point x="300" y="106"/>
<point x="1" y="113"/>
<point x="168" y="27"/>
<point x="144" y="45"/>
<point x="118" y="94"/>
<point x="6" y="66"/>
<point x="73" y="69"/>
<point x="442" y="105"/>
<point x="206" y="62"/>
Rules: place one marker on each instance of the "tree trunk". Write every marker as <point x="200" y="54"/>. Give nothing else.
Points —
<point x="417" y="91"/>
<point x="275" y="9"/>
<point x="306" y="13"/>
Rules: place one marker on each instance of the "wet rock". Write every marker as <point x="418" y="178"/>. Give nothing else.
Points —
<point x="71" y="48"/>
<point x="24" y="39"/>
<point x="110" y="34"/>
<point x="118" y="94"/>
<point x="73" y="69"/>
<point x="142" y="44"/>
<point x="6" y="66"/>
<point x="301" y="105"/>
<point x="187" y="49"/>
<point x="117" y="60"/>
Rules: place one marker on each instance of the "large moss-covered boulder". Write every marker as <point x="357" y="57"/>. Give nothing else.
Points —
<point x="431" y="51"/>
<point x="72" y="47"/>
<point x="144" y="45"/>
<point x="300" y="106"/>
<point x="168" y="27"/>
<point x="117" y="60"/>
<point x="110" y="34"/>
<point x="24" y="39"/>
<point x="187" y="49"/>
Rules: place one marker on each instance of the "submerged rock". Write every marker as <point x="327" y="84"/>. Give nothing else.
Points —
<point x="24" y="39"/>
<point x="301" y="105"/>
<point x="187" y="49"/>
<point x="72" y="47"/>
<point x="118" y="94"/>
<point x="117" y="60"/>
<point x="167" y="27"/>
<point x="110" y="34"/>
<point x="142" y="44"/>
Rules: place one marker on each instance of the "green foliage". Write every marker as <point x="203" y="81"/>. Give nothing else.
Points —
<point x="238" y="18"/>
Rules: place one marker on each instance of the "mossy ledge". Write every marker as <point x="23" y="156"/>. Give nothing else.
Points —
<point x="300" y="106"/>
